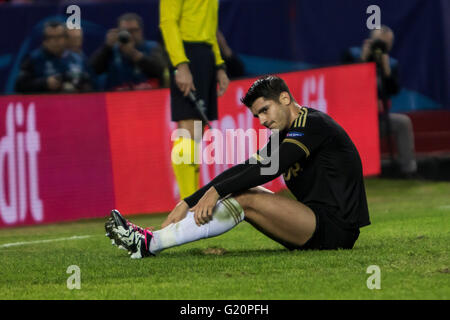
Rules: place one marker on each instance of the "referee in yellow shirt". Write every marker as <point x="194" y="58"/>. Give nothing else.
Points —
<point x="189" y="32"/>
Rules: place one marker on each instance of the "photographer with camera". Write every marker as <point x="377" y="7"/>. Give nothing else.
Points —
<point x="52" y="68"/>
<point x="376" y="49"/>
<point x="128" y="61"/>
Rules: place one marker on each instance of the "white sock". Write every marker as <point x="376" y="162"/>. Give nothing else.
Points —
<point x="226" y="215"/>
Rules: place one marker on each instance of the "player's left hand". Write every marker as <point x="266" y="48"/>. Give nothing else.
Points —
<point x="204" y="207"/>
<point x="223" y="81"/>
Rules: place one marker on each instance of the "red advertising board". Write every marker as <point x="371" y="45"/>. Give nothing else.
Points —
<point x="66" y="157"/>
<point x="55" y="158"/>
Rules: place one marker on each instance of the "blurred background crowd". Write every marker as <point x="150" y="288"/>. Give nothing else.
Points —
<point x="257" y="37"/>
<point x="124" y="60"/>
<point x="119" y="47"/>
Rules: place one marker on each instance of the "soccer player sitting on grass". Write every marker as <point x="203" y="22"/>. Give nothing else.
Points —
<point x="320" y="165"/>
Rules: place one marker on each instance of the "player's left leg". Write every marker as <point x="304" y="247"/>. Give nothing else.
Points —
<point x="284" y="220"/>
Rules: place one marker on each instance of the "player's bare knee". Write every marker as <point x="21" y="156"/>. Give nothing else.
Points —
<point x="245" y="198"/>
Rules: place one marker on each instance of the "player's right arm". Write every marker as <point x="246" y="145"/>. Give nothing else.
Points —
<point x="237" y="178"/>
<point x="179" y="212"/>
<point x="192" y="200"/>
<point x="302" y="139"/>
<point x="231" y="172"/>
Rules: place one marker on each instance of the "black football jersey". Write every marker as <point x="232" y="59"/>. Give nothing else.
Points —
<point x="330" y="172"/>
<point x="320" y="165"/>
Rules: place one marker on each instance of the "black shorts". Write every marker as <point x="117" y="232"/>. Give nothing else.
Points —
<point x="203" y="68"/>
<point x="328" y="235"/>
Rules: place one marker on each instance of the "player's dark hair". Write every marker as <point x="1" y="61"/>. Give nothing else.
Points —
<point x="268" y="87"/>
<point x="131" y="16"/>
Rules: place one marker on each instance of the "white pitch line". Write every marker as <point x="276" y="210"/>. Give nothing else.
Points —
<point x="13" y="244"/>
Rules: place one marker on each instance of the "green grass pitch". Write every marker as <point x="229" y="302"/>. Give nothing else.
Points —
<point x="408" y="240"/>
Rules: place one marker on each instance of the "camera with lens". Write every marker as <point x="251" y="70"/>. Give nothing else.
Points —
<point x="377" y="48"/>
<point x="73" y="79"/>
<point x="124" y="36"/>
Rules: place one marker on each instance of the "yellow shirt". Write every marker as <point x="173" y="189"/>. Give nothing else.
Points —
<point x="191" y="21"/>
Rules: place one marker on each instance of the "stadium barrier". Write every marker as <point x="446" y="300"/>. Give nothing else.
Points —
<point x="66" y="157"/>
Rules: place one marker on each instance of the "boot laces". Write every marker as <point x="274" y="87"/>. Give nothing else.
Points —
<point x="139" y="229"/>
<point x="142" y="231"/>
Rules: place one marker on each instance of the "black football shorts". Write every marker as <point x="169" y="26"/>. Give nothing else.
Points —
<point x="203" y="68"/>
<point x="328" y="234"/>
